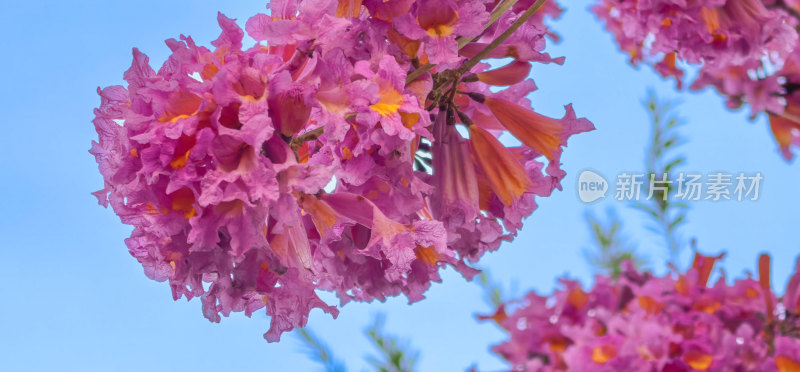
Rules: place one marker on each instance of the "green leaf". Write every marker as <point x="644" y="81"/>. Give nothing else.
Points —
<point x="677" y="221"/>
<point x="319" y="351"/>
<point x="647" y="209"/>
<point x="666" y="215"/>
<point x="392" y="356"/>
<point x="674" y="163"/>
<point x="609" y="249"/>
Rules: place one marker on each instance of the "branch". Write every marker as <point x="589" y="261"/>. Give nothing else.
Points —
<point x="418" y="72"/>
<point x="307" y="136"/>
<point x="496" y="14"/>
<point x="500" y="39"/>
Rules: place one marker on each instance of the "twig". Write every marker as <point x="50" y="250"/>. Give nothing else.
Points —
<point x="500" y="39"/>
<point x="307" y="136"/>
<point x="418" y="72"/>
<point x="496" y="14"/>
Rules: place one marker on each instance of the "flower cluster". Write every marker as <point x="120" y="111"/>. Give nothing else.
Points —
<point x="746" y="49"/>
<point x="640" y="322"/>
<point x="328" y="156"/>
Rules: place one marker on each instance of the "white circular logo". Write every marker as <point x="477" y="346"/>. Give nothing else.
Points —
<point x="591" y="186"/>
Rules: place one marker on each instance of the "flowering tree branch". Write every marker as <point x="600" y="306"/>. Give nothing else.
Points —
<point x="307" y="136"/>
<point x="754" y="44"/>
<point x="501" y="8"/>
<point x="498" y="11"/>
<point x="233" y="125"/>
<point x="468" y="65"/>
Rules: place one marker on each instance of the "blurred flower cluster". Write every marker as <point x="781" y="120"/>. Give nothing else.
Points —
<point x="746" y="49"/>
<point x="641" y="322"/>
<point x="328" y="155"/>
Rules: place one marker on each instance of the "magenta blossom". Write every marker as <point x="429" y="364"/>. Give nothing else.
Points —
<point x="640" y="322"/>
<point x="326" y="156"/>
<point x="746" y="49"/>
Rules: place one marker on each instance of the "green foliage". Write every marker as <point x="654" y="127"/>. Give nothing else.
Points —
<point x="666" y="214"/>
<point x="492" y="292"/>
<point x="610" y="248"/>
<point x="319" y="351"/>
<point x="392" y="355"/>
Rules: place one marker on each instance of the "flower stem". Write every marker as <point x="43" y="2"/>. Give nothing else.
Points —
<point x="311" y="135"/>
<point x="418" y="72"/>
<point x="500" y="39"/>
<point x="496" y="13"/>
<point x="494" y="44"/>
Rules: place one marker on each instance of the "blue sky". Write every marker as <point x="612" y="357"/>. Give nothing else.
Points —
<point x="74" y="299"/>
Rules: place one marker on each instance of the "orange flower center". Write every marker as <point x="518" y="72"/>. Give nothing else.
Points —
<point x="698" y="360"/>
<point x="390" y="101"/>
<point x="604" y="353"/>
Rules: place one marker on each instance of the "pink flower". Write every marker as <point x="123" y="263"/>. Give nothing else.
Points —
<point x="395" y="107"/>
<point x="791" y="298"/>
<point x="639" y="322"/>
<point x="510" y="74"/>
<point x="454" y="175"/>
<point x="786" y="129"/>
<point x="436" y="23"/>
<point x="743" y="48"/>
<point x="254" y="177"/>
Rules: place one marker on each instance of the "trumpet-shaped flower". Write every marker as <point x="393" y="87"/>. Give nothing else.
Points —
<point x="254" y="176"/>
<point x="641" y="322"/>
<point x="745" y="49"/>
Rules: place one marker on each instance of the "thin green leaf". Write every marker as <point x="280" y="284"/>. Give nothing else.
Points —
<point x="392" y="355"/>
<point x="319" y="351"/>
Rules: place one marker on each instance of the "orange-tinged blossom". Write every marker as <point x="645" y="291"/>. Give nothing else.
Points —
<point x="390" y="101"/>
<point x="539" y="132"/>
<point x="503" y="171"/>
<point x="348" y="8"/>
<point x="509" y="74"/>
<point x="698" y="360"/>
<point x="786" y="364"/>
<point x="602" y="354"/>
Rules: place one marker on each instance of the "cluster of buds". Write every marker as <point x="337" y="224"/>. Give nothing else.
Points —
<point x="746" y="49"/>
<point x="640" y="322"/>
